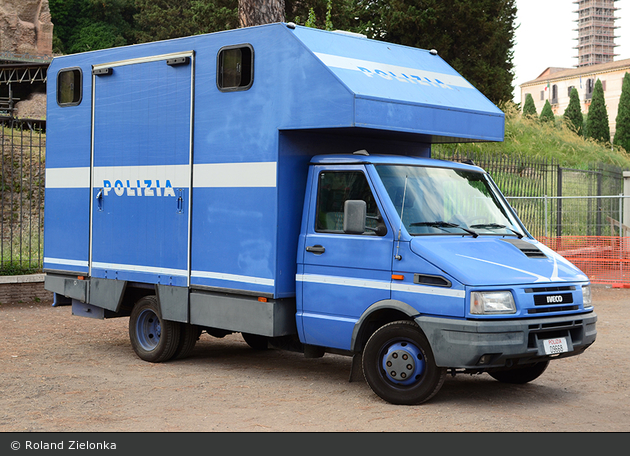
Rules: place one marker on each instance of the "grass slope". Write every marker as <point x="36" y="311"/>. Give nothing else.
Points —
<point x="530" y="138"/>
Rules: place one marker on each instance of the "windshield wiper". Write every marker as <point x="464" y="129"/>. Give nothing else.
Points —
<point x="441" y="224"/>
<point x="491" y="226"/>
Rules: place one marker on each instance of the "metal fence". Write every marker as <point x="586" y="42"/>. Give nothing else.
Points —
<point x="538" y="191"/>
<point x="604" y="259"/>
<point x="589" y="231"/>
<point x="22" y="149"/>
<point x="562" y="216"/>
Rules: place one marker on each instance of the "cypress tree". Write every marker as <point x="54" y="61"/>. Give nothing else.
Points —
<point x="546" y="115"/>
<point x="529" y="108"/>
<point x="622" y="127"/>
<point x="573" y="114"/>
<point x="596" y="126"/>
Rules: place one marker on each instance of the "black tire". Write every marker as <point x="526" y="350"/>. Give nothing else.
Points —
<point x="520" y="375"/>
<point x="255" y="341"/>
<point x="152" y="338"/>
<point x="188" y="337"/>
<point x="413" y="377"/>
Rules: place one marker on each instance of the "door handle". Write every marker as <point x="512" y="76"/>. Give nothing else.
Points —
<point x="180" y="201"/>
<point x="316" y="249"/>
<point x="99" y="200"/>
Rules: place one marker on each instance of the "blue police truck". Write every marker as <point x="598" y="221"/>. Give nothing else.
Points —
<point x="276" y="181"/>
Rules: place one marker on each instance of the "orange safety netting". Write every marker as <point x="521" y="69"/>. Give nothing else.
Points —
<point x="604" y="259"/>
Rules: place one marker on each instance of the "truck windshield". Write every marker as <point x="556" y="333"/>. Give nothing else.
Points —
<point x="447" y="201"/>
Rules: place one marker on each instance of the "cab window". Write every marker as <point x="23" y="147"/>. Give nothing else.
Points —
<point x="334" y="189"/>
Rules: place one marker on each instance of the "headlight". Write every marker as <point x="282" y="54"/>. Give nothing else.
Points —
<point x="492" y="302"/>
<point x="587" y="300"/>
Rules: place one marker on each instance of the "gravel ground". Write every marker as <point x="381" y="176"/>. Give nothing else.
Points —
<point x="65" y="373"/>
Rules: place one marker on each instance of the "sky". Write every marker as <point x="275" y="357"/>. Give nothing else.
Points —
<point x="545" y="37"/>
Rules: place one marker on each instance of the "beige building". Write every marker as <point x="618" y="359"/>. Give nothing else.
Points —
<point x="555" y="84"/>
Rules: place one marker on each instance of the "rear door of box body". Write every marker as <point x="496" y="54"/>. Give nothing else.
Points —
<point x="141" y="169"/>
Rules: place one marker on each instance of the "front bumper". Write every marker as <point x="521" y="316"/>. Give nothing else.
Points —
<point x="461" y="344"/>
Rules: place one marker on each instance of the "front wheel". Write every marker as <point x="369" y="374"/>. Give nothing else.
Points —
<point x="152" y="338"/>
<point x="520" y="375"/>
<point x="398" y="364"/>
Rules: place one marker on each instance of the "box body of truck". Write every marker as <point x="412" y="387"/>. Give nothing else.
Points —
<point x="185" y="181"/>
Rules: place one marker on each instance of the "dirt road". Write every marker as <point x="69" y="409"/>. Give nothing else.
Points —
<point x="64" y="373"/>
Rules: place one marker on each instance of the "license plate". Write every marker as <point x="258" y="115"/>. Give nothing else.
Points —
<point x="554" y="346"/>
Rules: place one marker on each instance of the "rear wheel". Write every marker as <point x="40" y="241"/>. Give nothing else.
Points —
<point x="255" y="341"/>
<point x="520" y="375"/>
<point x="399" y="366"/>
<point x="188" y="337"/>
<point x="152" y="338"/>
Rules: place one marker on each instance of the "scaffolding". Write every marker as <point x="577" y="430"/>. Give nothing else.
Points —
<point x="596" y="31"/>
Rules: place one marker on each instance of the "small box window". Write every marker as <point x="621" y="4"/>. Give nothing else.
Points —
<point x="69" y="87"/>
<point x="235" y="68"/>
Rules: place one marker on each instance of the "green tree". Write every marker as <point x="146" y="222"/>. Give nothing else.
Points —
<point x="529" y="108"/>
<point x="93" y="36"/>
<point x="65" y="15"/>
<point x="476" y="37"/>
<point x="546" y="115"/>
<point x="573" y="114"/>
<point x="311" y="20"/>
<point x="328" y="23"/>
<point x="622" y="122"/>
<point x="84" y="25"/>
<point x="596" y="126"/>
<point x="341" y="13"/>
<point x="214" y="15"/>
<point x="164" y="19"/>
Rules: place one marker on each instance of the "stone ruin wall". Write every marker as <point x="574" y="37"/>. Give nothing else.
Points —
<point x="26" y="27"/>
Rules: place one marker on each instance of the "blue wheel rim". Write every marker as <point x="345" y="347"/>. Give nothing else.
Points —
<point x="148" y="330"/>
<point x="403" y="363"/>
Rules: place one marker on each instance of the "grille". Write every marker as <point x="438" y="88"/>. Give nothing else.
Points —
<point x="552" y="309"/>
<point x="549" y="289"/>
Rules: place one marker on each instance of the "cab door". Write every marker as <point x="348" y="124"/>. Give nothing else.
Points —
<point x="341" y="274"/>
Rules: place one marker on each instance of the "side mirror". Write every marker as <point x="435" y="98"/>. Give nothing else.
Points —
<point x="354" y="213"/>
